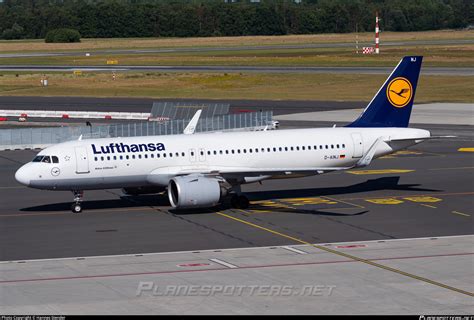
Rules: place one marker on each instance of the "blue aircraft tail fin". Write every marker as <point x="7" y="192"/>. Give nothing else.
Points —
<point x="391" y="106"/>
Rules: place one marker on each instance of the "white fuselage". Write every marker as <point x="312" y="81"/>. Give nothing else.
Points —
<point x="247" y="156"/>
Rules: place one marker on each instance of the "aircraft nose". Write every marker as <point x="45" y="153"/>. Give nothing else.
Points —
<point x="22" y="176"/>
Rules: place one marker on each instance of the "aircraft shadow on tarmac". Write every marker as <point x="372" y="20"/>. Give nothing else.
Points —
<point x="386" y="183"/>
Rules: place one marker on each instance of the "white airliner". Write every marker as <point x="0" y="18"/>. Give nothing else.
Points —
<point x="199" y="170"/>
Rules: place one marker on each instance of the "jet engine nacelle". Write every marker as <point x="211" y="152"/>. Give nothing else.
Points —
<point x="194" y="192"/>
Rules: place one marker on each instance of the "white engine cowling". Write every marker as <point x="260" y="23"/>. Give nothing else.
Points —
<point x="193" y="192"/>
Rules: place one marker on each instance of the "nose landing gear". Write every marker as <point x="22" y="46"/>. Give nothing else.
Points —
<point x="76" y="207"/>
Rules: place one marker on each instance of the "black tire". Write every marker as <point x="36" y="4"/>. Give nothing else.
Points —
<point x="76" y="208"/>
<point x="234" y="201"/>
<point x="243" y="202"/>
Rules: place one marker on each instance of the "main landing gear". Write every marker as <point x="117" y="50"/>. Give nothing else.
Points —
<point x="76" y="207"/>
<point x="239" y="201"/>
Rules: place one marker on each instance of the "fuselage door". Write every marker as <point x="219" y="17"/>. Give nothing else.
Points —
<point x="192" y="155"/>
<point x="82" y="160"/>
<point x="358" y="145"/>
<point x="202" y="154"/>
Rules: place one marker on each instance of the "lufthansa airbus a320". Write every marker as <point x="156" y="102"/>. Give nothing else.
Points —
<point x="199" y="170"/>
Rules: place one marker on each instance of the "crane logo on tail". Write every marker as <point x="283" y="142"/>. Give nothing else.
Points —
<point x="399" y="92"/>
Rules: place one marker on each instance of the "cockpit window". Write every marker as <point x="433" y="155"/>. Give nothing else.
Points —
<point x="46" y="159"/>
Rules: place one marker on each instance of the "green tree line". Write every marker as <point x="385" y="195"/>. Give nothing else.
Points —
<point x="142" y="18"/>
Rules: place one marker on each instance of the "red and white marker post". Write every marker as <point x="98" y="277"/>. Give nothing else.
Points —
<point x="377" y="33"/>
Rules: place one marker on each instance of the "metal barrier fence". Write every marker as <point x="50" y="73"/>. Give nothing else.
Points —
<point x="32" y="138"/>
<point x="186" y="110"/>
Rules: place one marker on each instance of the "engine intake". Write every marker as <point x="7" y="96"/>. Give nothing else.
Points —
<point x="193" y="192"/>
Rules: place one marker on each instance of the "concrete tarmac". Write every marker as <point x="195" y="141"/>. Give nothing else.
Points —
<point x="96" y="261"/>
<point x="429" y="113"/>
<point x="410" y="276"/>
<point x="145" y="104"/>
<point x="422" y="192"/>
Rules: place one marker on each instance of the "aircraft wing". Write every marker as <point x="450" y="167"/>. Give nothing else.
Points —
<point x="161" y="176"/>
<point x="247" y="171"/>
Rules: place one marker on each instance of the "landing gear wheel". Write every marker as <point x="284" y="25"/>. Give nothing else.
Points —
<point x="243" y="202"/>
<point x="234" y="201"/>
<point x="239" y="202"/>
<point x="76" y="208"/>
